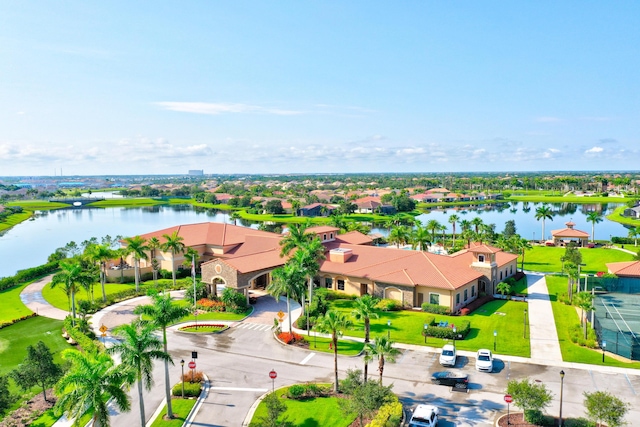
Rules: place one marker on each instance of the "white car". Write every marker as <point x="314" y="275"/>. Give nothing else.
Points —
<point x="484" y="360"/>
<point x="424" y="416"/>
<point x="448" y="355"/>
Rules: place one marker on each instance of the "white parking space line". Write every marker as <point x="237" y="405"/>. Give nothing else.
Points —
<point x="258" y="390"/>
<point x="306" y="359"/>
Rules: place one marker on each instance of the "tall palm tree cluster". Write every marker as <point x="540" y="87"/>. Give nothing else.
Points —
<point x="94" y="377"/>
<point x="86" y="267"/>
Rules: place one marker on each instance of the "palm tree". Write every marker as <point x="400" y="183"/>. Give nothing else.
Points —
<point x="381" y="349"/>
<point x="307" y="258"/>
<point x="338" y="221"/>
<point x="399" y="235"/>
<point x="420" y="238"/>
<point x="235" y="216"/>
<point x="154" y="244"/>
<point x="136" y="246"/>
<point x="163" y="313"/>
<point x="572" y="276"/>
<point x="634" y="233"/>
<point x="89" y="384"/>
<point x="334" y="322"/>
<point x="469" y="235"/>
<point x="434" y="226"/>
<point x="521" y="245"/>
<point x="138" y="348"/>
<point x="73" y="278"/>
<point x="295" y="238"/>
<point x="594" y="218"/>
<point x="174" y="244"/>
<point x="477" y="224"/>
<point x="365" y="309"/>
<point x="584" y="300"/>
<point x="465" y="224"/>
<point x="543" y="213"/>
<point x="453" y="219"/>
<point x="101" y="254"/>
<point x="290" y="281"/>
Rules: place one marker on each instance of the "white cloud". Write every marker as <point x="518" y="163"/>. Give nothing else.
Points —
<point x="594" y="150"/>
<point x="214" y="109"/>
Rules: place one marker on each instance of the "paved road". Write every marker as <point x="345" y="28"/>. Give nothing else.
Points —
<point x="238" y="363"/>
<point x="31" y="296"/>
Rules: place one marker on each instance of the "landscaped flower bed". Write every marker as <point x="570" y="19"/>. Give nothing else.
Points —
<point x="203" y="328"/>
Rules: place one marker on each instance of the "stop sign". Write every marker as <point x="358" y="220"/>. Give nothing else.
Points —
<point x="192" y="365"/>
<point x="508" y="398"/>
<point x="273" y="375"/>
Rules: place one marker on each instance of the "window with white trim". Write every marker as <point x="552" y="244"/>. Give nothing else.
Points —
<point x="480" y="258"/>
<point x="340" y="285"/>
<point x="466" y="294"/>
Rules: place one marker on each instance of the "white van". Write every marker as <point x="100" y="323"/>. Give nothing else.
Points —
<point x="424" y="416"/>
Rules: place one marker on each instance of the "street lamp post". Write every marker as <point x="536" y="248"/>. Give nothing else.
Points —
<point x="495" y="337"/>
<point x="308" y="308"/>
<point x="604" y="348"/>
<point x="388" y="329"/>
<point x="455" y="332"/>
<point x="561" y="390"/>
<point x="182" y="379"/>
<point x="524" y="332"/>
<point x="424" y="332"/>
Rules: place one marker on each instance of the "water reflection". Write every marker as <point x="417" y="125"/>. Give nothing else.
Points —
<point x="31" y="242"/>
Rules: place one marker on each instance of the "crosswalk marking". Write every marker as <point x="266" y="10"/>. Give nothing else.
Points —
<point x="253" y="326"/>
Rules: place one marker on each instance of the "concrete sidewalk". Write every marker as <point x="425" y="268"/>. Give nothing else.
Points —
<point x="31" y="296"/>
<point x="545" y="347"/>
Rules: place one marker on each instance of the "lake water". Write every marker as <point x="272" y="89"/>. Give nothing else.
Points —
<point x="31" y="242"/>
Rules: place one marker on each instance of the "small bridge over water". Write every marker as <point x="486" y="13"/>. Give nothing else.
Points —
<point x="77" y="201"/>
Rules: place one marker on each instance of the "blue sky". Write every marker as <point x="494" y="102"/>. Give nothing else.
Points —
<point x="318" y="86"/>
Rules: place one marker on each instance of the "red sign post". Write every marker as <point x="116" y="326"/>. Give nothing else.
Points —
<point x="192" y="366"/>
<point x="508" y="399"/>
<point x="273" y="375"/>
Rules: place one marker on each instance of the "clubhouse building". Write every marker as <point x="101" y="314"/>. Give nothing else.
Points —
<point x="243" y="259"/>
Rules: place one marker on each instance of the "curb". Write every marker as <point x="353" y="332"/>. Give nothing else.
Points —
<point x="194" y="410"/>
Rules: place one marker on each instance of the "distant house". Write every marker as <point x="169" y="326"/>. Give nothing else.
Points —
<point x="316" y="209"/>
<point x="633" y="212"/>
<point x="372" y="204"/>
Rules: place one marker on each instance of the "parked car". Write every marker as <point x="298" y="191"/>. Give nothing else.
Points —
<point x="448" y="355"/>
<point x="484" y="360"/>
<point x="453" y="379"/>
<point x="424" y="416"/>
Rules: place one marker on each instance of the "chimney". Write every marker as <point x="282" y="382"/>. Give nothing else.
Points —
<point x="340" y="255"/>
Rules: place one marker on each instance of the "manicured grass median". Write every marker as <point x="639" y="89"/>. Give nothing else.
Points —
<point x="345" y="347"/>
<point x="312" y="412"/>
<point x="181" y="409"/>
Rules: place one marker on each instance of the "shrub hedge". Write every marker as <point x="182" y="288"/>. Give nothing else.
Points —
<point x="387" y="304"/>
<point x="389" y="415"/>
<point x="435" y="308"/>
<point x="27" y="275"/>
<point x="462" y="328"/>
<point x="190" y="389"/>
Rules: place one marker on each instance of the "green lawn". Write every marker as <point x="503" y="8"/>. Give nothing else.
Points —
<point x="312" y="412"/>
<point x="10" y="305"/>
<point x="567" y="316"/>
<point x="505" y="317"/>
<point x="345" y="347"/>
<point x="57" y="297"/>
<point x="181" y="409"/>
<point x="547" y="259"/>
<point x="15" y="339"/>
<point x="14" y="220"/>
<point x="47" y="419"/>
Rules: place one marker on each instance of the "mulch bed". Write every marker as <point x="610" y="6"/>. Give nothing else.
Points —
<point x="32" y="409"/>
<point x="517" y="420"/>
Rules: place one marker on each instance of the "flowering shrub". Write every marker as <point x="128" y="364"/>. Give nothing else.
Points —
<point x="289" y="337"/>
<point x="210" y="305"/>
<point x="5" y="324"/>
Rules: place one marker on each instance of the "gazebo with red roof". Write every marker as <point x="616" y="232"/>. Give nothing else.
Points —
<point x="566" y="235"/>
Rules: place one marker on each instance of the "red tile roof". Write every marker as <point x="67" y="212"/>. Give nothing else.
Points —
<point x="569" y="232"/>
<point x="627" y="269"/>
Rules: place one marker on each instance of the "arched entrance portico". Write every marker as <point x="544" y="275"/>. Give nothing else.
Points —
<point x="216" y="284"/>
